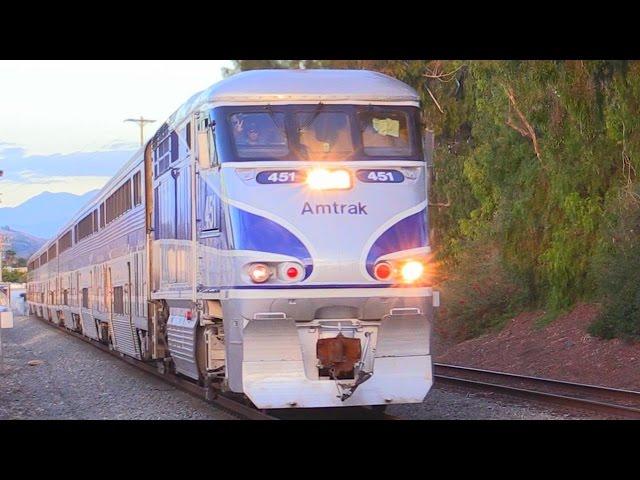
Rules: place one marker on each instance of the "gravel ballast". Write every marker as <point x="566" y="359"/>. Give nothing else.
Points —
<point x="50" y="375"/>
<point x="455" y="403"/>
<point x="70" y="379"/>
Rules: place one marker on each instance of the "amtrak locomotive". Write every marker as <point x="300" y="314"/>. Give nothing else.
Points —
<point x="271" y="239"/>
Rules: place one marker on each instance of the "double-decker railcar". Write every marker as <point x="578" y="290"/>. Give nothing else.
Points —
<point x="271" y="239"/>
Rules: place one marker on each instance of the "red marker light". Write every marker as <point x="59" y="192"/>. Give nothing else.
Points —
<point x="188" y="315"/>
<point x="382" y="271"/>
<point x="290" y="271"/>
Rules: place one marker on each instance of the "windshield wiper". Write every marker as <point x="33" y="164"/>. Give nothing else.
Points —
<point x="275" y="122"/>
<point x="319" y="107"/>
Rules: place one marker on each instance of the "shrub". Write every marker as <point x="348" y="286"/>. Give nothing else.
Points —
<point x="615" y="272"/>
<point x="479" y="293"/>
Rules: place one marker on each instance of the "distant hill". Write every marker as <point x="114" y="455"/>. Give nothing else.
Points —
<point x="43" y="215"/>
<point x="22" y="243"/>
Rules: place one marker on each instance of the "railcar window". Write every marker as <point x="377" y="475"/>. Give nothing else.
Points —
<point x="102" y="215"/>
<point x="85" y="226"/>
<point x="85" y="298"/>
<point x="51" y="253"/>
<point x="326" y="134"/>
<point x="65" y="242"/>
<point x="385" y="133"/>
<point x="118" y="202"/>
<point x="118" y="300"/>
<point x="43" y="258"/>
<point x="137" y="189"/>
<point x="259" y="135"/>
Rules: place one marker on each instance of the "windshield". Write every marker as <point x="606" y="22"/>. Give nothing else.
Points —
<point x="385" y="133"/>
<point x="259" y="134"/>
<point x="318" y="132"/>
<point x="325" y="135"/>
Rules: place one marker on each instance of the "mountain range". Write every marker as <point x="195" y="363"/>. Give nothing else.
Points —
<point x="41" y="216"/>
<point x="22" y="243"/>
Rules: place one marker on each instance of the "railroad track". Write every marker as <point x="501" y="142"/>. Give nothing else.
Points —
<point x="236" y="406"/>
<point x="604" y="400"/>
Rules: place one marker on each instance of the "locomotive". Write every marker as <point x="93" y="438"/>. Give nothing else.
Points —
<point x="271" y="239"/>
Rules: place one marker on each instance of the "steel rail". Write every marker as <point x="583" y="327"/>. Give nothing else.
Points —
<point x="231" y="405"/>
<point x="460" y="375"/>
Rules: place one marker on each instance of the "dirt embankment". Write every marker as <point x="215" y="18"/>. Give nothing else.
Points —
<point x="563" y="350"/>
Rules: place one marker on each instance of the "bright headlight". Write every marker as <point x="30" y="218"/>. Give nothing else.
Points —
<point x="412" y="271"/>
<point x="323" y="179"/>
<point x="259" y="273"/>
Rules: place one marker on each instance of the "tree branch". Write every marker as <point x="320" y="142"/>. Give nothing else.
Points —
<point x="443" y="77"/>
<point x="526" y="130"/>
<point x="434" y="100"/>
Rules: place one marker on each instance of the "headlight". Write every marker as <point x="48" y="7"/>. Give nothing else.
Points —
<point x="259" y="272"/>
<point x="412" y="271"/>
<point x="323" y="179"/>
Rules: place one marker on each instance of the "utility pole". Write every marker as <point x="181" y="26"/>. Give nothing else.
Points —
<point x="140" y="121"/>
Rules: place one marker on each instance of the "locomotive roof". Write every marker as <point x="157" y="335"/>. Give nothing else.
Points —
<point x="313" y="85"/>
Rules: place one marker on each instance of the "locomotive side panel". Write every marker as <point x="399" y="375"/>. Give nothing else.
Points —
<point x="171" y="242"/>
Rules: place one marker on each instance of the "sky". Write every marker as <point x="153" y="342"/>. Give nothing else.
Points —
<point x="62" y="123"/>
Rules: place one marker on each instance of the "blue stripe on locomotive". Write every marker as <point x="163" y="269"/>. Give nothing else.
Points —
<point x="253" y="232"/>
<point x="410" y="232"/>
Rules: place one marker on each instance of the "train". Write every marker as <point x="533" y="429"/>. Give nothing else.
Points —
<point x="271" y="240"/>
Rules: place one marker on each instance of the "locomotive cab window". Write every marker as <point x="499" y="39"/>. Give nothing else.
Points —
<point x="325" y="135"/>
<point x="385" y="133"/>
<point x="319" y="131"/>
<point x="258" y="135"/>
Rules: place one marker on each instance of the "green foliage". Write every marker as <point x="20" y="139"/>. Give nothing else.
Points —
<point x="12" y="276"/>
<point x="616" y="266"/>
<point x="481" y="294"/>
<point x="537" y="159"/>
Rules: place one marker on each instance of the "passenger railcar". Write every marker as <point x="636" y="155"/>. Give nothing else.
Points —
<point x="271" y="239"/>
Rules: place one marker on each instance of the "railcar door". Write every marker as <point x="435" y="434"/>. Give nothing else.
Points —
<point x="86" y="314"/>
<point x="122" y="330"/>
